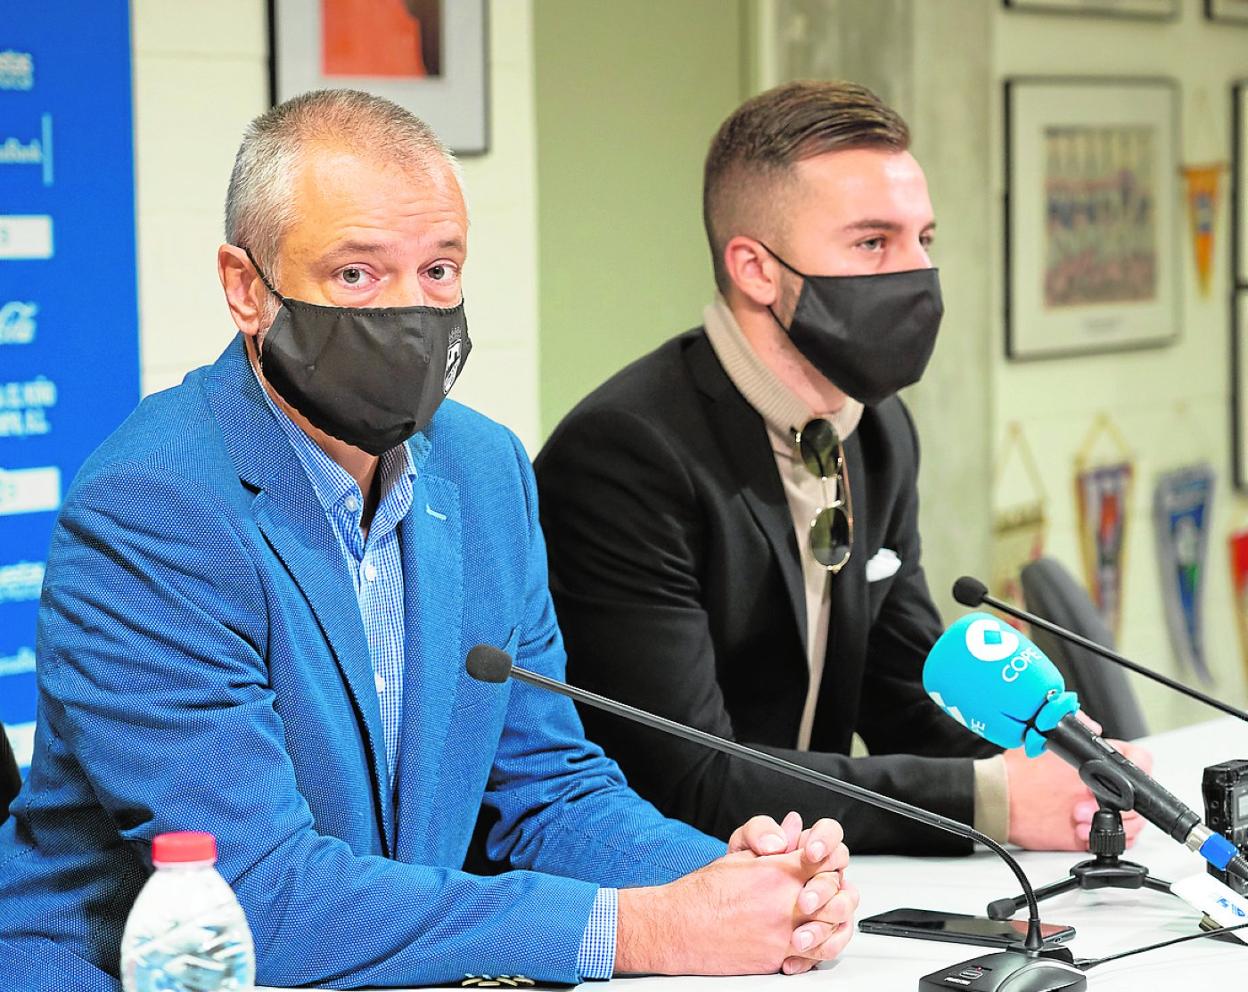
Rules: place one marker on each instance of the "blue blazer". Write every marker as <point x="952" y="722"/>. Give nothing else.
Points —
<point x="202" y="665"/>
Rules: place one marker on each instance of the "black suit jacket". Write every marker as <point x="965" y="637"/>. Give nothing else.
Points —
<point x="678" y="586"/>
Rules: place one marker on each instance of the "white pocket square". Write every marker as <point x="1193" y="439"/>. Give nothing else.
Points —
<point x="883" y="566"/>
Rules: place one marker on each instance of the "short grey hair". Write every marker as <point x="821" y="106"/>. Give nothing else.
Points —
<point x="259" y="206"/>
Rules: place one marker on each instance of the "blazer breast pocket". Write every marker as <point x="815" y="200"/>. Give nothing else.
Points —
<point x="881" y="570"/>
<point x="883" y="565"/>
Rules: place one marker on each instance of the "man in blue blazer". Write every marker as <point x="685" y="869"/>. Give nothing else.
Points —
<point x="259" y="598"/>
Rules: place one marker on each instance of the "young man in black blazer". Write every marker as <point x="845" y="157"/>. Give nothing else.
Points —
<point x="732" y="520"/>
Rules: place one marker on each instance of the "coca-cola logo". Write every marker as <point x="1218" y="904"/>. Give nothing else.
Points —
<point x="17" y="322"/>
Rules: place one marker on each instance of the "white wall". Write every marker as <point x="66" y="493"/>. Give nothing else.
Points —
<point x="1172" y="404"/>
<point x="200" y="74"/>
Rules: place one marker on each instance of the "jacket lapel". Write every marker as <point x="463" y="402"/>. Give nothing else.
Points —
<point x="742" y="437"/>
<point x="431" y="542"/>
<point x="293" y="522"/>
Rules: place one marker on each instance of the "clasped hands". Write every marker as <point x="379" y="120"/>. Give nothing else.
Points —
<point x="826" y="902"/>
<point x="777" y="901"/>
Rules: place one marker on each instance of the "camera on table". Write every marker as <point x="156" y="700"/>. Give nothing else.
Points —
<point x="1225" y="788"/>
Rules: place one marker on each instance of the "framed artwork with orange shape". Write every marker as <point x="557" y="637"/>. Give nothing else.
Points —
<point x="428" y="56"/>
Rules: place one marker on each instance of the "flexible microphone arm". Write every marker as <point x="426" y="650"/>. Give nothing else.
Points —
<point x="969" y="591"/>
<point x="490" y="664"/>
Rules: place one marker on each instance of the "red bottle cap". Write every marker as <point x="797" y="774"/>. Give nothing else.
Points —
<point x="182" y="847"/>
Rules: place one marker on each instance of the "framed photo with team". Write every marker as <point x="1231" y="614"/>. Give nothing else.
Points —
<point x="1091" y="217"/>
<point x="426" y="55"/>
<point x="1152" y="9"/>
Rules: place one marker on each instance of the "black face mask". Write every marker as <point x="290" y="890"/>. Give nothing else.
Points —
<point x="868" y="335"/>
<point x="369" y="376"/>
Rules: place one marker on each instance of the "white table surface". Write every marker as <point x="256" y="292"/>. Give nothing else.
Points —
<point x="1107" y="920"/>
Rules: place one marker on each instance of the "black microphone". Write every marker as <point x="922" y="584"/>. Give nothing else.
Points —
<point x="487" y="663"/>
<point x="997" y="684"/>
<point x="969" y="591"/>
<point x="1121" y="784"/>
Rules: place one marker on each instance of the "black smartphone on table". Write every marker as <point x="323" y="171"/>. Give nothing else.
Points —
<point x="959" y="928"/>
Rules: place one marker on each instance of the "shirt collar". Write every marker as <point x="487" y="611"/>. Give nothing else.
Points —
<point x="334" y="485"/>
<point x="782" y="410"/>
<point x="778" y="405"/>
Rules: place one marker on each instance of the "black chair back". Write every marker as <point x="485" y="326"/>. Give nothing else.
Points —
<point x="10" y="779"/>
<point x="1050" y="591"/>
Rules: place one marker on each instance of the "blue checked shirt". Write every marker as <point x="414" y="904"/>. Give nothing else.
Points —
<point x="377" y="572"/>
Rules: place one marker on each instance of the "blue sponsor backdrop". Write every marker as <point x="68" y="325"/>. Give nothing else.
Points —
<point x="69" y="342"/>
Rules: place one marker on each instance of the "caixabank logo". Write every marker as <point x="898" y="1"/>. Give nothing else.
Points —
<point x="30" y="145"/>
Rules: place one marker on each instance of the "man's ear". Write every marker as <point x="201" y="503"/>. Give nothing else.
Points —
<point x="244" y="291"/>
<point x="753" y="271"/>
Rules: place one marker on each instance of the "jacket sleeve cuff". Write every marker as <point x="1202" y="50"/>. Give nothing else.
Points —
<point x="992" y="798"/>
<point x="596" y="958"/>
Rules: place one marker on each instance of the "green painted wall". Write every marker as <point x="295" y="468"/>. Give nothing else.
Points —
<point x="628" y="95"/>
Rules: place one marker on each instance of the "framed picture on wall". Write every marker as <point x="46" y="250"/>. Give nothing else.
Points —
<point x="1092" y="235"/>
<point x="426" y="55"/>
<point x="1239" y="291"/>
<point x="1155" y="9"/>
<point x="1239" y="386"/>
<point x="1234" y="11"/>
<point x="1239" y="183"/>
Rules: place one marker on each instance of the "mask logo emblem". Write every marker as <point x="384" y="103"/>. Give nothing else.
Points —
<point x="453" y="353"/>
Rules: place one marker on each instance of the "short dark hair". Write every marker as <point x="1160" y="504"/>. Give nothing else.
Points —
<point x="768" y="134"/>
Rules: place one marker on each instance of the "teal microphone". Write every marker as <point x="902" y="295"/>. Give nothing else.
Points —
<point x="997" y="683"/>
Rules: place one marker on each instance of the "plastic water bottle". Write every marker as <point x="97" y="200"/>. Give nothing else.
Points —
<point x="187" y="932"/>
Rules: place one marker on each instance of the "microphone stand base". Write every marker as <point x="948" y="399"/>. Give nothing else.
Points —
<point x="1085" y="876"/>
<point x="1106" y="870"/>
<point x="1010" y="971"/>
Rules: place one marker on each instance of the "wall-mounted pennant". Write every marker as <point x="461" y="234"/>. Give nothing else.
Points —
<point x="1202" y="183"/>
<point x="1182" y="506"/>
<point x="1019" y="522"/>
<point x="1238" y="548"/>
<point x="1103" y="497"/>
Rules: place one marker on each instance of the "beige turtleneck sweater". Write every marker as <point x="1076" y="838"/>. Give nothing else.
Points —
<point x="784" y="412"/>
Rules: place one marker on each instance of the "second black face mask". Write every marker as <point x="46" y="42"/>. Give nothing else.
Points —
<point x="868" y="335"/>
<point x="369" y="376"/>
